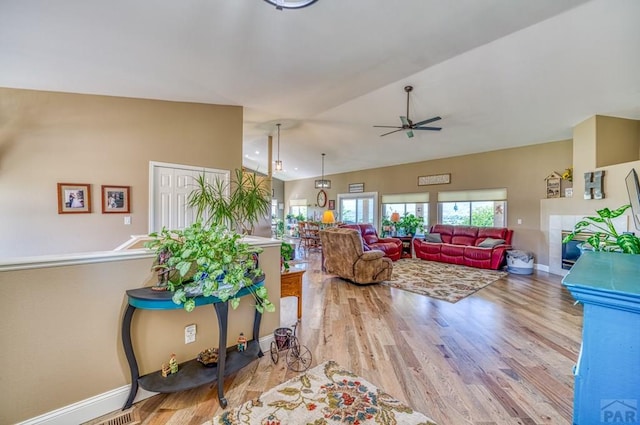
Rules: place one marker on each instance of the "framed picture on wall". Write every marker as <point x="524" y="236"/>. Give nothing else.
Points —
<point x="116" y="199"/>
<point x="332" y="204"/>
<point x="74" y="198"/>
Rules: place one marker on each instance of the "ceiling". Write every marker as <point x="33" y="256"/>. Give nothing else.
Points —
<point x="500" y="73"/>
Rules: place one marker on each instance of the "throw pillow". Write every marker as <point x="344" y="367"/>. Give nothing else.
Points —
<point x="433" y="237"/>
<point x="490" y="243"/>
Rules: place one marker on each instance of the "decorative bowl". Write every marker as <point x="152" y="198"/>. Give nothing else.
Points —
<point x="208" y="357"/>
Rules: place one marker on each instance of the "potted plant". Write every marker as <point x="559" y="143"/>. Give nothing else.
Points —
<point x="605" y="236"/>
<point x="287" y="253"/>
<point x="208" y="260"/>
<point x="410" y="223"/>
<point x="239" y="204"/>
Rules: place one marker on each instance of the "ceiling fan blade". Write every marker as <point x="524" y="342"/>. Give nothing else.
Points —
<point x="405" y="121"/>
<point x="394" y="131"/>
<point x="387" y="126"/>
<point x="409" y="133"/>
<point x="430" y="120"/>
<point x="428" y="128"/>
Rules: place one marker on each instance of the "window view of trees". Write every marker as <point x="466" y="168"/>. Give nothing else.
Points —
<point x="482" y="214"/>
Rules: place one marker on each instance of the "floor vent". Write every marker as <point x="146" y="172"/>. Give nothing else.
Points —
<point x="123" y="418"/>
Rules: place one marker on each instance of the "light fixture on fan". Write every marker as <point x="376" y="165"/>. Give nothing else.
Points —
<point x="290" y="4"/>
<point x="323" y="183"/>
<point x="278" y="162"/>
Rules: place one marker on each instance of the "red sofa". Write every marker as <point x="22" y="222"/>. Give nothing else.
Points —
<point x="482" y="247"/>
<point x="392" y="247"/>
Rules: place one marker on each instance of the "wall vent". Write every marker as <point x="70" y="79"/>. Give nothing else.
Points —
<point x="122" y="418"/>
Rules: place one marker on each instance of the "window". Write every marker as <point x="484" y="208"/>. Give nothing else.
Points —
<point x="358" y="208"/>
<point x="482" y="208"/>
<point x="406" y="203"/>
<point x="298" y="207"/>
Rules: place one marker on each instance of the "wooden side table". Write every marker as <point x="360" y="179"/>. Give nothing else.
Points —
<point x="407" y="246"/>
<point x="291" y="286"/>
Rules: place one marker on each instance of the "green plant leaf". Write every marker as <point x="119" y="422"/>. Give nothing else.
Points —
<point x="629" y="243"/>
<point x="235" y="302"/>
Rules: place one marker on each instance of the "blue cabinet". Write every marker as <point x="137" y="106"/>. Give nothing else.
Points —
<point x="607" y="375"/>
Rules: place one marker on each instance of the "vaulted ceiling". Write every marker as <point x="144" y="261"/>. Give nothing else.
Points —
<point x="500" y="73"/>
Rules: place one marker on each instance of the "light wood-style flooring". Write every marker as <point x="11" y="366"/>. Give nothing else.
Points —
<point x="501" y="356"/>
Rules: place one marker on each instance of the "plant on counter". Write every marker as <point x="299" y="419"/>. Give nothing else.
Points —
<point x="201" y="260"/>
<point x="287" y="253"/>
<point x="410" y="224"/>
<point x="605" y="237"/>
<point x="239" y="204"/>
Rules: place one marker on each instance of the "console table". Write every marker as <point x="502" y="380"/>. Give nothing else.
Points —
<point x="607" y="388"/>
<point x="190" y="374"/>
<point x="291" y="286"/>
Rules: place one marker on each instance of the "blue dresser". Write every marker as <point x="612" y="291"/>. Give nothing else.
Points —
<point x="607" y="375"/>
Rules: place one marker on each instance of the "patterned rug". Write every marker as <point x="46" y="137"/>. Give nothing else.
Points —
<point x="324" y="395"/>
<point x="448" y="282"/>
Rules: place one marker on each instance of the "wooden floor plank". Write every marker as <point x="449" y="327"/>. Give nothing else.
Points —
<point x="501" y="356"/>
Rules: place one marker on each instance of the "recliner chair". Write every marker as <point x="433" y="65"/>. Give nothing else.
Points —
<point x="345" y="256"/>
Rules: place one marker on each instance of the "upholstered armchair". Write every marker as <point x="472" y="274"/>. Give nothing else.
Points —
<point x="344" y="256"/>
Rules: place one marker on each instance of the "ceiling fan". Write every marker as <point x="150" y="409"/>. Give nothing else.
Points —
<point x="409" y="125"/>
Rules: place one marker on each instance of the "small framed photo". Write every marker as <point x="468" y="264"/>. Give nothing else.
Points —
<point x="568" y="192"/>
<point x="74" y="198"/>
<point x="116" y="199"/>
<point x="332" y="204"/>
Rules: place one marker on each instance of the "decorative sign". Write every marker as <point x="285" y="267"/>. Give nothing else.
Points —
<point x="434" y="179"/>
<point x="356" y="187"/>
<point x="593" y="185"/>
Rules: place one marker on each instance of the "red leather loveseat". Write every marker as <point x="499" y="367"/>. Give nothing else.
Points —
<point x="482" y="247"/>
<point x="392" y="247"/>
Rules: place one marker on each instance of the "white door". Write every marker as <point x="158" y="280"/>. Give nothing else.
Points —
<point x="170" y="185"/>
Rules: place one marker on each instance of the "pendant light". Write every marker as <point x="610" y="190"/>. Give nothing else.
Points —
<point x="322" y="183"/>
<point x="278" y="162"/>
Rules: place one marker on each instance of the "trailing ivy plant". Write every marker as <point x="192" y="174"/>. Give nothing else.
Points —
<point x="605" y="237"/>
<point x="201" y="260"/>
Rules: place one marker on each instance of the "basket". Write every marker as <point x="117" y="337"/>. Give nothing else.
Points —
<point x="282" y="337"/>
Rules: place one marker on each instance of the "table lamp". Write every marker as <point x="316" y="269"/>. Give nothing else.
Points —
<point x="328" y="218"/>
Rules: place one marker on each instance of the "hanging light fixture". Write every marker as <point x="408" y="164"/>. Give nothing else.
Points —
<point x="278" y="162"/>
<point x="290" y="4"/>
<point x="322" y="183"/>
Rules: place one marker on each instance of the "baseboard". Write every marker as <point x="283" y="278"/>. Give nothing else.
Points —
<point x="542" y="268"/>
<point x="102" y="404"/>
<point x="89" y="408"/>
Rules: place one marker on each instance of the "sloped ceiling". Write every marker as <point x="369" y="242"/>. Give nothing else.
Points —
<point x="500" y="73"/>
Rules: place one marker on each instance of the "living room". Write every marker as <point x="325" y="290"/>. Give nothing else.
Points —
<point x="52" y="134"/>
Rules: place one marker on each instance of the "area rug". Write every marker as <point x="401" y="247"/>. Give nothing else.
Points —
<point x="448" y="282"/>
<point x="324" y="395"/>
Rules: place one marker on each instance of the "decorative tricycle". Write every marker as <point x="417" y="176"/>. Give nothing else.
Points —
<point x="298" y="356"/>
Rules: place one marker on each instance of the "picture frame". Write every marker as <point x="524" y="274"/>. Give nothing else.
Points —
<point x="434" y="179"/>
<point x="116" y="199"/>
<point x="553" y="187"/>
<point x="74" y="198"/>
<point x="356" y="187"/>
<point x="332" y="204"/>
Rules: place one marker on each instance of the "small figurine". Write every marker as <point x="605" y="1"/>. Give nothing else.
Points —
<point x="165" y="370"/>
<point x="173" y="364"/>
<point x="242" y="342"/>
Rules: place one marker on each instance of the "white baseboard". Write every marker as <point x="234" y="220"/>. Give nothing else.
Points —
<point x="102" y="404"/>
<point x="542" y="268"/>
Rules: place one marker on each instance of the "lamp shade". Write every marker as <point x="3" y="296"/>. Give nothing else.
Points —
<point x="327" y="217"/>
<point x="395" y="217"/>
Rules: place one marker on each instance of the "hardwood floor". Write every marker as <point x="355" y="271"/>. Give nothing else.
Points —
<point x="501" y="356"/>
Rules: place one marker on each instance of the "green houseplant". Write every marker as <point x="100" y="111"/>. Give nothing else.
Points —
<point x="208" y="260"/>
<point x="238" y="204"/>
<point x="410" y="224"/>
<point x="605" y="237"/>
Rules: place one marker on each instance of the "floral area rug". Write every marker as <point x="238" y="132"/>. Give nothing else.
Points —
<point x="324" y="395"/>
<point x="448" y="282"/>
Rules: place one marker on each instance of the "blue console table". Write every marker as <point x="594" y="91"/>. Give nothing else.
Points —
<point x="190" y="374"/>
<point x="607" y="375"/>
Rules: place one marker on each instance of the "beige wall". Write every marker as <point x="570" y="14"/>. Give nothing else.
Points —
<point x="618" y="140"/>
<point x="47" y="138"/>
<point x="520" y="170"/>
<point x="61" y="339"/>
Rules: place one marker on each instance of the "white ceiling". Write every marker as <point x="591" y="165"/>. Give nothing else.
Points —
<point x="500" y="73"/>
